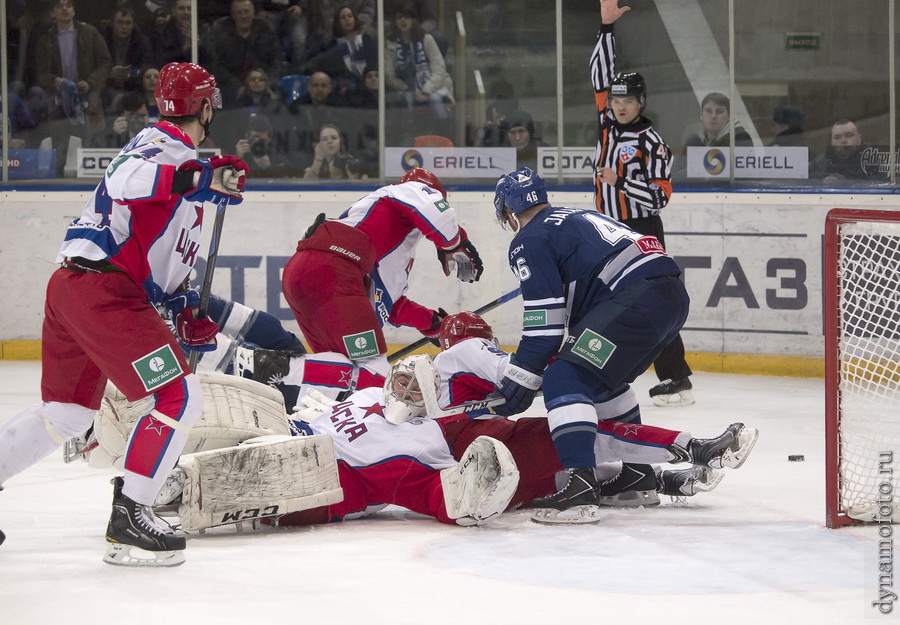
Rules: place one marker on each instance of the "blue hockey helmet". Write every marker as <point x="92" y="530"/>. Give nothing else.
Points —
<point x="519" y="191"/>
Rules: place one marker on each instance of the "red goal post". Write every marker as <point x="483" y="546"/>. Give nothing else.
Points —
<point x="862" y="366"/>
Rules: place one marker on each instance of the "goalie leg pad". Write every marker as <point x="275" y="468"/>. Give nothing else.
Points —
<point x="234" y="410"/>
<point x="265" y="477"/>
<point x="482" y="484"/>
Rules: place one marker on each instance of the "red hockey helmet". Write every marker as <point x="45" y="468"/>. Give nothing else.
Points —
<point x="463" y="325"/>
<point x="182" y="87"/>
<point x="417" y="174"/>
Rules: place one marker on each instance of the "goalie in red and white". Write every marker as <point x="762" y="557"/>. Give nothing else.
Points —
<point x="130" y="250"/>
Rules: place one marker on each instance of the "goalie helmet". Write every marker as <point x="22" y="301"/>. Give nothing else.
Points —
<point x="463" y="325"/>
<point x="418" y="174"/>
<point x="182" y="88"/>
<point x="403" y="398"/>
<point x="519" y="191"/>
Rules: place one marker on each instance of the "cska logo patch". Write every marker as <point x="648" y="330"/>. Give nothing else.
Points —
<point x="627" y="153"/>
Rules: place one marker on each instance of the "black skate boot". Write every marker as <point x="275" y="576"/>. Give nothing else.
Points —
<point x="633" y="487"/>
<point x="133" y="526"/>
<point x="729" y="449"/>
<point x="688" y="482"/>
<point x="577" y="502"/>
<point x="669" y="393"/>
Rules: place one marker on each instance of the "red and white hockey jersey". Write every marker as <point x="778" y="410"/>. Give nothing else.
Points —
<point x="396" y="218"/>
<point x="364" y="438"/>
<point x="134" y="221"/>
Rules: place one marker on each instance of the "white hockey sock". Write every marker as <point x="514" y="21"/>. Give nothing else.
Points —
<point x="35" y="432"/>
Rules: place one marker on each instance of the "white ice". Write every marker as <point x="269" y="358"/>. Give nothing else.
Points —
<point x="755" y="550"/>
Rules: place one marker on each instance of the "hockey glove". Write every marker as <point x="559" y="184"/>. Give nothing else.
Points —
<point x="195" y="334"/>
<point x="518" y="387"/>
<point x="181" y="300"/>
<point x="217" y="177"/>
<point x="431" y="333"/>
<point x="468" y="263"/>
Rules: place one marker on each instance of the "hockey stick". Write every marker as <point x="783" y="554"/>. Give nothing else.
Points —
<point x="206" y="288"/>
<point x="425" y="371"/>
<point x="400" y="353"/>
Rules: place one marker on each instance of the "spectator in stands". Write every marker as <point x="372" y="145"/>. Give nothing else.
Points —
<point x="415" y="68"/>
<point x="426" y="10"/>
<point x="311" y="111"/>
<point x="129" y="48"/>
<point x="257" y="97"/>
<point x="72" y="65"/>
<point x="147" y="86"/>
<point x="172" y="40"/>
<point x="353" y="49"/>
<point x="367" y="96"/>
<point x="787" y="126"/>
<point x="493" y="134"/>
<point x="843" y="158"/>
<point x="331" y="159"/>
<point x="716" y="125"/>
<point x="242" y="41"/>
<point x="132" y="117"/>
<point x="259" y="150"/>
<point x="21" y="123"/>
<point x="519" y="130"/>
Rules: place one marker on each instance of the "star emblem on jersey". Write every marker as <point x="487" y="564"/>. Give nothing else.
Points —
<point x="346" y="377"/>
<point x="631" y="428"/>
<point x="199" y="220"/>
<point x="155" y="425"/>
<point x="373" y="409"/>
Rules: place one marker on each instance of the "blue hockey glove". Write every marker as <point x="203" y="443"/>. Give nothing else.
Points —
<point x="220" y="177"/>
<point x="519" y="387"/>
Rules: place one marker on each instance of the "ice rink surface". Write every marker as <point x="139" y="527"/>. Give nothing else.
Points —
<point x="755" y="550"/>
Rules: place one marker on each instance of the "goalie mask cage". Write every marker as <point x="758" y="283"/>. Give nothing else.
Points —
<point x="862" y="366"/>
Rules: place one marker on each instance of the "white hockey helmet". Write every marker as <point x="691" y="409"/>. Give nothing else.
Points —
<point x="403" y="398"/>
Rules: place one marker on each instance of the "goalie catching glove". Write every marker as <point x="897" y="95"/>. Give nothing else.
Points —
<point x="217" y="178"/>
<point x="464" y="255"/>
<point x="194" y="333"/>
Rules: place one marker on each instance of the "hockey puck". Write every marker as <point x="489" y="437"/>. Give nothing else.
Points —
<point x="796" y="458"/>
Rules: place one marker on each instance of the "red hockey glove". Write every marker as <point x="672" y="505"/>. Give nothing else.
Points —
<point x="219" y="177"/>
<point x="196" y="334"/>
<point x="468" y="263"/>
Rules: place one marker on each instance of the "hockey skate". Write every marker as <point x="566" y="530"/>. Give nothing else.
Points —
<point x="688" y="482"/>
<point x="729" y="449"/>
<point x="482" y="484"/>
<point x="671" y="393"/>
<point x="577" y="502"/>
<point x="137" y="537"/>
<point x="633" y="487"/>
<point x="268" y="366"/>
<point x="2" y="537"/>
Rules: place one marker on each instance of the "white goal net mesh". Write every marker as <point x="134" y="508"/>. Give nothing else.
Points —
<point x="869" y="361"/>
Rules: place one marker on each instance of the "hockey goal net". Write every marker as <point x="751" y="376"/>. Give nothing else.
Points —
<point x="862" y="366"/>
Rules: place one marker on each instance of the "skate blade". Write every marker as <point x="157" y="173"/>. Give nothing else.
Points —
<point x="631" y="499"/>
<point x="681" y="398"/>
<point x="709" y="481"/>
<point x="576" y="514"/>
<point x="119" y="554"/>
<point x="733" y="459"/>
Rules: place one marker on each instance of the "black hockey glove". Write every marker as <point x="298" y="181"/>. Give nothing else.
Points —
<point x="432" y="333"/>
<point x="519" y="387"/>
<point x="468" y="263"/>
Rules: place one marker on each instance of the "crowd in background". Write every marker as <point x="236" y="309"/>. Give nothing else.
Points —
<point x="292" y="74"/>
